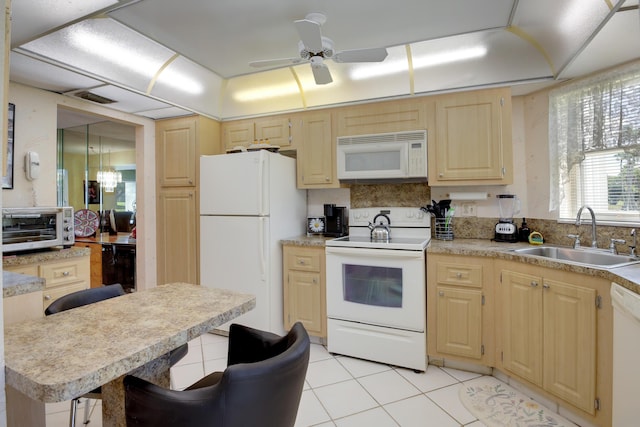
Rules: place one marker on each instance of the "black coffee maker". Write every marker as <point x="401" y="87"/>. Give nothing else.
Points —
<point x="335" y="217"/>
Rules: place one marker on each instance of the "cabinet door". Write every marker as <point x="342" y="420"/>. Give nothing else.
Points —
<point x="382" y="117"/>
<point x="459" y="322"/>
<point x="177" y="237"/>
<point x="176" y="157"/>
<point x="570" y="343"/>
<point x="304" y="301"/>
<point x="238" y="133"/>
<point x="521" y="301"/>
<point x="316" y="157"/>
<point x="472" y="143"/>
<point x="276" y="130"/>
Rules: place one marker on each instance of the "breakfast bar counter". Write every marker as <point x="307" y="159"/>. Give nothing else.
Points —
<point x="62" y="356"/>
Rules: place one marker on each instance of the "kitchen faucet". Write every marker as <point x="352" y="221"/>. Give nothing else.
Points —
<point x="594" y="240"/>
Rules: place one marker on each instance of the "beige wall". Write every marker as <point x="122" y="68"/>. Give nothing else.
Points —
<point x="35" y="129"/>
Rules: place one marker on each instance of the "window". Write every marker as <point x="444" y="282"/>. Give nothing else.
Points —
<point x="594" y="146"/>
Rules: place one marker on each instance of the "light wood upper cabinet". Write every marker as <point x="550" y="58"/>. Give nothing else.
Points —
<point x="382" y="117"/>
<point x="317" y="152"/>
<point x="548" y="333"/>
<point x="471" y="144"/>
<point x="180" y="142"/>
<point x="304" y="288"/>
<point x="459" y="308"/>
<point x="242" y="133"/>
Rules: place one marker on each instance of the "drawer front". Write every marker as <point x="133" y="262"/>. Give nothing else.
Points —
<point x="62" y="273"/>
<point x="304" y="261"/>
<point x="50" y="295"/>
<point x="30" y="269"/>
<point x="459" y="274"/>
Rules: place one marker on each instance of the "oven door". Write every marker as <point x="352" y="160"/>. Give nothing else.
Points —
<point x="377" y="286"/>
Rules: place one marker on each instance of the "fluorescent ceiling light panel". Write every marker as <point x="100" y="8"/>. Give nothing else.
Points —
<point x="398" y="66"/>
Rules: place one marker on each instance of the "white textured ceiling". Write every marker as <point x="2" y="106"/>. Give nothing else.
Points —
<point x="528" y="41"/>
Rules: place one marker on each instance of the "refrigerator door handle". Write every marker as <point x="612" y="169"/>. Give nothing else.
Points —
<point x="263" y="255"/>
<point x="261" y="186"/>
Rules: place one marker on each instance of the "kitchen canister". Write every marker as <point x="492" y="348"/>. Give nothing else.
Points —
<point x="444" y="228"/>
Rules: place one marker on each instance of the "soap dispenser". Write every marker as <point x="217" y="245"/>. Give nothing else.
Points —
<point x="524" y="231"/>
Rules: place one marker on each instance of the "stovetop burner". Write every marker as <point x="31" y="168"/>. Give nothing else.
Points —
<point x="410" y="229"/>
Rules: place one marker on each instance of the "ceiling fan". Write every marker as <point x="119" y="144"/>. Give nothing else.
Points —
<point x="315" y="48"/>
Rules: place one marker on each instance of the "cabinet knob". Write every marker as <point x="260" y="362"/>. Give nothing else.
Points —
<point x="546" y="286"/>
<point x="458" y="275"/>
<point x="534" y="284"/>
<point x="301" y="261"/>
<point x="65" y="273"/>
<point x="47" y="297"/>
<point x="441" y="293"/>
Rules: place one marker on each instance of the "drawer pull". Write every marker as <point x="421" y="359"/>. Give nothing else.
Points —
<point x="441" y="293"/>
<point x="534" y="284"/>
<point x="65" y="273"/>
<point x="458" y="275"/>
<point x="301" y="261"/>
<point x="47" y="297"/>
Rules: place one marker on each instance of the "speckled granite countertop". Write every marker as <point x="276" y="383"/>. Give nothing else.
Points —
<point x="49" y="360"/>
<point x="627" y="276"/>
<point x="53" y="254"/>
<point x="17" y="284"/>
<point x="306" y="240"/>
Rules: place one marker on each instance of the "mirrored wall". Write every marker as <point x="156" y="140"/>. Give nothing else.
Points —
<point x="97" y="168"/>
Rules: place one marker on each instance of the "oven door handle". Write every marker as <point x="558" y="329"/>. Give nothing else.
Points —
<point x="375" y="253"/>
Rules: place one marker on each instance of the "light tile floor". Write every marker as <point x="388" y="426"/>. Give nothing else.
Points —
<point x="339" y="391"/>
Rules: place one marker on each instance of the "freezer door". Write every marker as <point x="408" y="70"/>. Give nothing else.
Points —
<point x="234" y="184"/>
<point x="234" y="254"/>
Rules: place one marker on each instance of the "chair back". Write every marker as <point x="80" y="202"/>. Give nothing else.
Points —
<point x="84" y="297"/>
<point x="261" y="386"/>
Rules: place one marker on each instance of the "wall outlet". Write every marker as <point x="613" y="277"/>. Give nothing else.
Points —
<point x="467" y="209"/>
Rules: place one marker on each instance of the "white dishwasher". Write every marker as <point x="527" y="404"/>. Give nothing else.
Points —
<point x="626" y="354"/>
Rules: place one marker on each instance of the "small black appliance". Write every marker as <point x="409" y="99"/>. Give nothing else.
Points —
<point x="506" y="229"/>
<point x="335" y="220"/>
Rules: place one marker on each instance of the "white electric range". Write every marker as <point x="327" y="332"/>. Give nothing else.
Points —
<point x="376" y="290"/>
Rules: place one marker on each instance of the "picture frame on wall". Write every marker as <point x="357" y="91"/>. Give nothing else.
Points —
<point x="7" y="180"/>
<point x="93" y="190"/>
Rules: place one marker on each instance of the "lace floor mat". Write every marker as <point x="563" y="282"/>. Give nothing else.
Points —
<point x="498" y="405"/>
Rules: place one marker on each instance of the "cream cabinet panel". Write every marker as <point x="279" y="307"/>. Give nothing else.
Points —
<point x="275" y="131"/>
<point x="177" y="206"/>
<point x="304" y="288"/>
<point x="570" y="343"/>
<point x="471" y="144"/>
<point x="460" y="308"/>
<point x="316" y="154"/>
<point x="271" y="130"/>
<point x="521" y="299"/>
<point x="61" y="277"/>
<point x="549" y="335"/>
<point x="176" y="152"/>
<point x="238" y="134"/>
<point x="23" y="307"/>
<point x="177" y="237"/>
<point x="382" y="117"/>
<point x="459" y="322"/>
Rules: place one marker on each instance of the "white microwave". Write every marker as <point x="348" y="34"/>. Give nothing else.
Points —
<point x="382" y="157"/>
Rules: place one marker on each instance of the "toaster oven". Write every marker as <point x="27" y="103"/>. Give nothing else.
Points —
<point x="25" y="229"/>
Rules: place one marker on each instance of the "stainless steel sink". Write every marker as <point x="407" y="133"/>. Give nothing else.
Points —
<point x="590" y="257"/>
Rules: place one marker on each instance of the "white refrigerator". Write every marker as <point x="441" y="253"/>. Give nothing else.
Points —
<point x="249" y="203"/>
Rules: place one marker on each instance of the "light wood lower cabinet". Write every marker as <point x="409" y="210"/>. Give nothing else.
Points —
<point x="62" y="277"/>
<point x="22" y="307"/>
<point x="459" y="308"/>
<point x="304" y="288"/>
<point x="549" y="334"/>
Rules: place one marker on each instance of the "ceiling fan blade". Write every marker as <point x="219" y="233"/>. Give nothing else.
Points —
<point x="310" y="34"/>
<point x="276" y="62"/>
<point x="321" y="74"/>
<point x="376" y="54"/>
